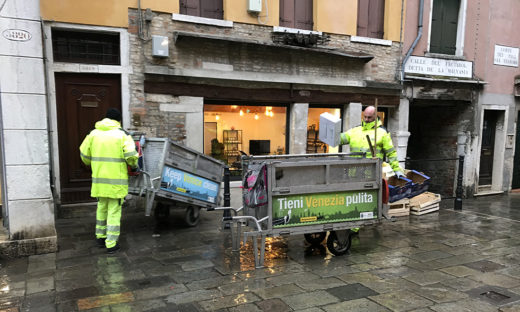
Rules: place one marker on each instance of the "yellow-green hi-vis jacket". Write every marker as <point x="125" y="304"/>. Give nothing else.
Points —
<point x="108" y="149"/>
<point x="357" y="139"/>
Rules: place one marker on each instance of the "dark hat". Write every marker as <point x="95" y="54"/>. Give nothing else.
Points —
<point x="114" y="113"/>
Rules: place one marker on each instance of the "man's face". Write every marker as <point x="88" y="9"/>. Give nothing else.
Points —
<point x="369" y="115"/>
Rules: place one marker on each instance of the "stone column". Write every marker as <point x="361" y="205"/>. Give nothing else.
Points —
<point x="298" y="128"/>
<point x="351" y="119"/>
<point x="194" y="121"/>
<point x="398" y="127"/>
<point x="28" y="200"/>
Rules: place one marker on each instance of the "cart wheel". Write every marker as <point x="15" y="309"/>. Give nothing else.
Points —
<point x="336" y="246"/>
<point x="315" y="238"/>
<point x="162" y="211"/>
<point x="192" y="216"/>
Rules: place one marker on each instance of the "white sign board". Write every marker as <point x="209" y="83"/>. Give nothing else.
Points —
<point x="506" y="56"/>
<point x="438" y="67"/>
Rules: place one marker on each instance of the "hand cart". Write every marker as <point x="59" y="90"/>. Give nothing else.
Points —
<point x="175" y="176"/>
<point x="308" y="194"/>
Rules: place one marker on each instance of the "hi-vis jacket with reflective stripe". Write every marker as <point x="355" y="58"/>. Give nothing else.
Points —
<point x="108" y="149"/>
<point x="357" y="139"/>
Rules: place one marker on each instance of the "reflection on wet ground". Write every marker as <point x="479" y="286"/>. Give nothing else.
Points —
<point x="443" y="261"/>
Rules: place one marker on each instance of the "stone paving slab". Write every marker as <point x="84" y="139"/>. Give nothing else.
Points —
<point x="351" y="292"/>
<point x="421" y="263"/>
<point x="467" y="305"/>
<point x="427" y="278"/>
<point x="279" y="291"/>
<point x="358" y="305"/>
<point x="401" y="301"/>
<point x="310" y="299"/>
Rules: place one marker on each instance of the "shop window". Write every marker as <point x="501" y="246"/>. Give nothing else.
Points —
<point x="296" y="14"/>
<point x="203" y="8"/>
<point x="85" y="47"/>
<point x="445" y="16"/>
<point x="370" y="19"/>
<point x="314" y="145"/>
<point x="234" y="130"/>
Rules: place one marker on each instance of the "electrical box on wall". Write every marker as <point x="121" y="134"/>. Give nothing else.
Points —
<point x="254" y="6"/>
<point x="160" y="46"/>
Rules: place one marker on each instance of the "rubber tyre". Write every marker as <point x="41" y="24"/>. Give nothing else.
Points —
<point x="162" y="212"/>
<point x="336" y="247"/>
<point x="192" y="216"/>
<point x="315" y="238"/>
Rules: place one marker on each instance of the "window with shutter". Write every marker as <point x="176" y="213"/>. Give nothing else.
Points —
<point x="296" y="14"/>
<point x="287" y="13"/>
<point x="211" y="9"/>
<point x="303" y="15"/>
<point x="445" y="16"/>
<point x="202" y="8"/>
<point x="371" y="16"/>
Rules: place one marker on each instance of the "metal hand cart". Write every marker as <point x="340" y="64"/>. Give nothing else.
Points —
<point x="310" y="194"/>
<point x="175" y="176"/>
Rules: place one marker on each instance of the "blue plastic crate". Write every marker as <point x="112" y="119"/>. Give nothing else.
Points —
<point x="399" y="188"/>
<point x="420" y="182"/>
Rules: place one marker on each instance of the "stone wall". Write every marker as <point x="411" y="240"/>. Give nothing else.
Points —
<point x="27" y="196"/>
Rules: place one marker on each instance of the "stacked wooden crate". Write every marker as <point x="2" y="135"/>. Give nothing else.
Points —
<point x="424" y="203"/>
<point x="399" y="208"/>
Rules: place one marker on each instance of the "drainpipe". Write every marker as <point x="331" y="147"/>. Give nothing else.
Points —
<point x="419" y="35"/>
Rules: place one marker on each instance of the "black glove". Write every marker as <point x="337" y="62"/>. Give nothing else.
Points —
<point x="136" y="169"/>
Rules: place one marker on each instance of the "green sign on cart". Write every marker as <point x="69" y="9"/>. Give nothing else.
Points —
<point x="307" y="209"/>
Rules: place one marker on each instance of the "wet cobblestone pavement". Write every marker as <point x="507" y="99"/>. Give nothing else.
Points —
<point x="443" y="261"/>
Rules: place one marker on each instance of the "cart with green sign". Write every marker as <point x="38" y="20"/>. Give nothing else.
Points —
<point x="309" y="194"/>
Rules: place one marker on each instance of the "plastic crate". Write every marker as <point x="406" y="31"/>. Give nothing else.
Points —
<point x="399" y="188"/>
<point x="420" y="182"/>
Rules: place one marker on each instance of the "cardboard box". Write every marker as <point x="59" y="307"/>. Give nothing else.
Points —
<point x="330" y="129"/>
<point x="398" y="188"/>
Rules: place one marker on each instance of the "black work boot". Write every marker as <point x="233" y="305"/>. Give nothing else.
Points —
<point x="100" y="242"/>
<point x="114" y="249"/>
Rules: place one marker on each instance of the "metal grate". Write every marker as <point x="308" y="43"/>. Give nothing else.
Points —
<point x="85" y="47"/>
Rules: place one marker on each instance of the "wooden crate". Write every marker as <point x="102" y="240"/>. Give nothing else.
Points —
<point x="399" y="208"/>
<point x="425" y="199"/>
<point x="424" y="210"/>
<point x="424" y="203"/>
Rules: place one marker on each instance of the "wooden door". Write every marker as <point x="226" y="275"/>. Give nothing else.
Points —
<point x="81" y="101"/>
<point x="516" y="168"/>
<point x="488" y="147"/>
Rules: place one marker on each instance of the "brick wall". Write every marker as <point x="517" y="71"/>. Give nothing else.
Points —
<point x="191" y="53"/>
<point x="432" y="147"/>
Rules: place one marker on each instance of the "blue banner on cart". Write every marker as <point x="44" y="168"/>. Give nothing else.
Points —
<point x="182" y="183"/>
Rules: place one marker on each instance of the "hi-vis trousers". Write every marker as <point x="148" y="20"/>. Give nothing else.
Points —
<point x="108" y="220"/>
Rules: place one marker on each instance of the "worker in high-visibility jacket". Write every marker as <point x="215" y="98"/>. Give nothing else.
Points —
<point x="108" y="149"/>
<point x="357" y="139"/>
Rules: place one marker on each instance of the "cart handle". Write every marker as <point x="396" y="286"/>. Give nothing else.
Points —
<point x="235" y="210"/>
<point x="257" y="222"/>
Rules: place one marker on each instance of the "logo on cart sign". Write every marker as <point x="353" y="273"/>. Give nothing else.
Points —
<point x="366" y="215"/>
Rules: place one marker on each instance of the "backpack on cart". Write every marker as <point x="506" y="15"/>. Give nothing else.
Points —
<point x="255" y="185"/>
